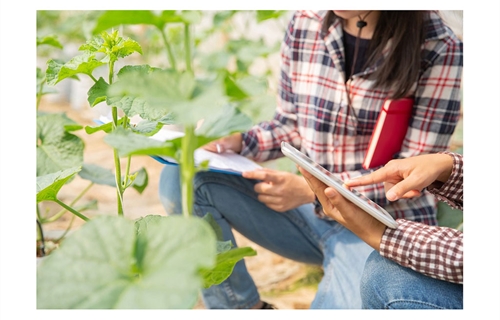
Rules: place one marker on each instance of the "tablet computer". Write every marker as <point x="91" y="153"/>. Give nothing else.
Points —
<point x="329" y="179"/>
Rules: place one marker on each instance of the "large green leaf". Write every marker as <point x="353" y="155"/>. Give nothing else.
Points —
<point x="48" y="186"/>
<point x="225" y="121"/>
<point x="128" y="143"/>
<point x="57" y="149"/>
<point x="154" y="95"/>
<point x="110" y="264"/>
<point x="114" y="18"/>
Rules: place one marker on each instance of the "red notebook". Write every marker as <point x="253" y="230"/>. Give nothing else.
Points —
<point x="389" y="132"/>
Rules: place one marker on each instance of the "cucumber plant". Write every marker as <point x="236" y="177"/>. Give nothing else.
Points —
<point x="156" y="261"/>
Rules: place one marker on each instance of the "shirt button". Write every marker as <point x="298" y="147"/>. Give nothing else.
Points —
<point x="336" y="143"/>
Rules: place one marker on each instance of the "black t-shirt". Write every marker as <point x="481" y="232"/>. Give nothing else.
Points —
<point x="349" y="46"/>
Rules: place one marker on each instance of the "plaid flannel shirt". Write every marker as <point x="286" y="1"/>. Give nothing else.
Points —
<point x="312" y="111"/>
<point x="434" y="251"/>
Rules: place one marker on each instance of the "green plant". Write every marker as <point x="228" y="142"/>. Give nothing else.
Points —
<point x="112" y="262"/>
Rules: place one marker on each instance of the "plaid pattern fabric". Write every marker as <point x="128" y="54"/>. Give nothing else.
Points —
<point x="434" y="251"/>
<point x="452" y="191"/>
<point x="312" y="113"/>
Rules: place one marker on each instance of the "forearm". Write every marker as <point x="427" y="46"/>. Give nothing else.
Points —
<point x="434" y="251"/>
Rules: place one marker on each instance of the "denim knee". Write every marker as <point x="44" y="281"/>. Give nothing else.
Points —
<point x="372" y="282"/>
<point x="169" y="189"/>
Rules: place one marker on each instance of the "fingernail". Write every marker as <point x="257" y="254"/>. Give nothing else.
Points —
<point x="218" y="148"/>
<point x="391" y="195"/>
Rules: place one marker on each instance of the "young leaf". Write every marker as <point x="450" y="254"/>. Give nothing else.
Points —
<point x="141" y="180"/>
<point x="106" y="127"/>
<point x="48" y="186"/>
<point x="225" y="265"/>
<point x="97" y="93"/>
<point x="112" y="45"/>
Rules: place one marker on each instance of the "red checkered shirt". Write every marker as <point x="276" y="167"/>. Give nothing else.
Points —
<point x="434" y="251"/>
<point x="312" y="110"/>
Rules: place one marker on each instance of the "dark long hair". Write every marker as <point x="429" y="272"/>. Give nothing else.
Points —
<point x="401" y="68"/>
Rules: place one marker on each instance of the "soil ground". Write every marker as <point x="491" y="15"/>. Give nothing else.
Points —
<point x="280" y="281"/>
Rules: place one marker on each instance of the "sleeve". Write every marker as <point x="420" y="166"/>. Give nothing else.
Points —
<point x="434" y="251"/>
<point x="263" y="141"/>
<point x="452" y="191"/>
<point x="437" y="100"/>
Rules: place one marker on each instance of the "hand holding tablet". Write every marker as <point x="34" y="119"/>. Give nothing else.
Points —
<point x="329" y="179"/>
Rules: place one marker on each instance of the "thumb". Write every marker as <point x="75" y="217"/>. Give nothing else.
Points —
<point x="335" y="198"/>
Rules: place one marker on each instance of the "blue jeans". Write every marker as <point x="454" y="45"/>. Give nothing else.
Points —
<point x="296" y="234"/>
<point x="388" y="285"/>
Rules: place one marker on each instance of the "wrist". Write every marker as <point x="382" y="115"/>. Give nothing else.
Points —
<point x="446" y="163"/>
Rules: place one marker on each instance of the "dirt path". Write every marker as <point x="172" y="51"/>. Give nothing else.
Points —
<point x="274" y="276"/>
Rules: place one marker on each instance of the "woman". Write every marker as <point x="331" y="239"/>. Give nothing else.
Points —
<point x="419" y="266"/>
<point x="338" y="67"/>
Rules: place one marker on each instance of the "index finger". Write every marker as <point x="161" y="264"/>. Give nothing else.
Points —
<point x="380" y="175"/>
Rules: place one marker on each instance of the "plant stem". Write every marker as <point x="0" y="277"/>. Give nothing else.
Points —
<point x="60" y="213"/>
<point x="41" y="237"/>
<point x="39" y="93"/>
<point x="73" y="211"/>
<point x="188" y="170"/>
<point x="187" y="46"/>
<point x="118" y="171"/>
<point x="170" y="55"/>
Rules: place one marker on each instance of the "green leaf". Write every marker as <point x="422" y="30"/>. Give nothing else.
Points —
<point x="52" y="72"/>
<point x="98" y="175"/>
<point x="111" y="264"/>
<point x="97" y="93"/>
<point x="106" y="127"/>
<point x="214" y="225"/>
<point x="103" y="176"/>
<point x="41" y="88"/>
<point x="128" y="143"/>
<point x="191" y="16"/>
<point x="147" y="128"/>
<point x="226" y="121"/>
<point x="225" y="265"/>
<point x="151" y="96"/>
<point x="263" y="15"/>
<point x="114" y="18"/>
<point x="57" y="149"/>
<point x="50" y="40"/>
<point x="141" y="180"/>
<point x="48" y="186"/>
<point x="233" y="90"/>
<point x="85" y="63"/>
